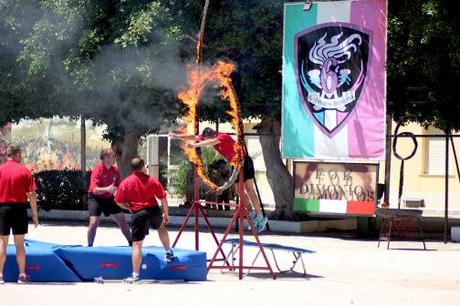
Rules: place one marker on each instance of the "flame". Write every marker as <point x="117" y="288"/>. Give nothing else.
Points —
<point x="223" y="71"/>
<point x="198" y="77"/>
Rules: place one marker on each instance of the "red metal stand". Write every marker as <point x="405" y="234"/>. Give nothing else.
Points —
<point x="196" y="209"/>
<point x="240" y="214"/>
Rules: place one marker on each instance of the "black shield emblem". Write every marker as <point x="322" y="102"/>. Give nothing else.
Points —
<point x="331" y="68"/>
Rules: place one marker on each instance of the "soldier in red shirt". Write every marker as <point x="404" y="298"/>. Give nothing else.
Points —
<point x="223" y="143"/>
<point x="105" y="178"/>
<point x="139" y="193"/>
<point x="16" y="186"/>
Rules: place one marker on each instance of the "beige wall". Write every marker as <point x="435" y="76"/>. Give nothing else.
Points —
<point x="417" y="182"/>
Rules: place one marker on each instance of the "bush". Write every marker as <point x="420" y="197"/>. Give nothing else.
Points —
<point x="61" y="189"/>
<point x="179" y="176"/>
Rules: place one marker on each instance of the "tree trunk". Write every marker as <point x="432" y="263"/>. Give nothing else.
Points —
<point x="126" y="150"/>
<point x="279" y="178"/>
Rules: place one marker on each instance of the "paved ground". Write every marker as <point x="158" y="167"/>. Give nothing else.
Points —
<point x="344" y="271"/>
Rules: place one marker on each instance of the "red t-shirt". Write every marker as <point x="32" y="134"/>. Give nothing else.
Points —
<point x="15" y="181"/>
<point x="103" y="177"/>
<point x="225" y="147"/>
<point x="139" y="191"/>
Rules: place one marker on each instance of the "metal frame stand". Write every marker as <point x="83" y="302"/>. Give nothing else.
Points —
<point x="390" y="216"/>
<point x="240" y="214"/>
<point x="297" y="257"/>
<point x="197" y="209"/>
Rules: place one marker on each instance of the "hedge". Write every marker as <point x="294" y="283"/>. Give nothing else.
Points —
<point x="61" y="189"/>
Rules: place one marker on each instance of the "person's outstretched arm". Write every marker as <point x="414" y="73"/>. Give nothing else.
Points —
<point x="204" y="143"/>
<point x="183" y="136"/>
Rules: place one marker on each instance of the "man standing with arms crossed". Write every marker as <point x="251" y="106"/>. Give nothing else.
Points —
<point x="138" y="193"/>
<point x="16" y="185"/>
<point x="105" y="178"/>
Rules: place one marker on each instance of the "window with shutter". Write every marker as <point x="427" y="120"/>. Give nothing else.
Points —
<point x="436" y="156"/>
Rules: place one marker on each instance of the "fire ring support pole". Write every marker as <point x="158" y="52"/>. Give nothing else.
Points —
<point x="241" y="208"/>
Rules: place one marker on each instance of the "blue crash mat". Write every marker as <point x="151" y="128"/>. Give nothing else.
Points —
<point x="115" y="263"/>
<point x="50" y="262"/>
<point x="42" y="264"/>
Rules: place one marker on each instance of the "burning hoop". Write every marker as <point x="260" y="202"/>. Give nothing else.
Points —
<point x="198" y="77"/>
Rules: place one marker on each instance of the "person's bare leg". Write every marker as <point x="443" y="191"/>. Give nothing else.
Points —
<point x="92" y="228"/>
<point x="123" y="224"/>
<point x="250" y="189"/>
<point x="164" y="237"/>
<point x="247" y="201"/>
<point x="20" y="253"/>
<point x="136" y="256"/>
<point x="3" y="245"/>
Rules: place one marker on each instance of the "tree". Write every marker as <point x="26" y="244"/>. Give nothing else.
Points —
<point x="115" y="62"/>
<point x="424" y="62"/>
<point x="21" y="94"/>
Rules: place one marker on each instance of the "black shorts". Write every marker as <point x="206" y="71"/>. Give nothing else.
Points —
<point x="96" y="206"/>
<point x="14" y="217"/>
<point x="143" y="219"/>
<point x="248" y="168"/>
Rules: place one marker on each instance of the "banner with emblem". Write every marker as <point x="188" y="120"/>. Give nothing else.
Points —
<point x="334" y="80"/>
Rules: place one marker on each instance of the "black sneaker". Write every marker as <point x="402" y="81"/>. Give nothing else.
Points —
<point x="169" y="256"/>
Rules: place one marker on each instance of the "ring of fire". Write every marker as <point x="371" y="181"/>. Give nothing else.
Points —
<point x="198" y="77"/>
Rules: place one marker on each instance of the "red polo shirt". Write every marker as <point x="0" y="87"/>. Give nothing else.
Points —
<point x="103" y="177"/>
<point x="225" y="147"/>
<point x="140" y="191"/>
<point x="15" y="181"/>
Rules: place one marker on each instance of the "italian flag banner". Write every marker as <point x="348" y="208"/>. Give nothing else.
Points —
<point x="334" y="80"/>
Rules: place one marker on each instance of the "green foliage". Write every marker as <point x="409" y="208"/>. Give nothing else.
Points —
<point x="248" y="32"/>
<point x="61" y="189"/>
<point x="424" y="62"/>
<point x="110" y="60"/>
<point x="180" y="176"/>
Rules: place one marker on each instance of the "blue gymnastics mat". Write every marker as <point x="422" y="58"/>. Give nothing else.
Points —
<point x="49" y="262"/>
<point x="42" y="264"/>
<point x="115" y="263"/>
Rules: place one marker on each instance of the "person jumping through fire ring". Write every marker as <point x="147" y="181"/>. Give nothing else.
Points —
<point x="16" y="185"/>
<point x="105" y="178"/>
<point x="138" y="193"/>
<point x="223" y="143"/>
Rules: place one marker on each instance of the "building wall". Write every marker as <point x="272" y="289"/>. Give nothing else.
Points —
<point x="418" y="181"/>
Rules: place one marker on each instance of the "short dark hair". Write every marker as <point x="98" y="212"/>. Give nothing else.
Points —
<point x="208" y="132"/>
<point x="12" y="150"/>
<point x="137" y="163"/>
<point x="105" y="152"/>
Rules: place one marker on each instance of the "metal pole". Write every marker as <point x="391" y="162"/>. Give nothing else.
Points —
<point x="386" y="197"/>
<point x="241" y="209"/>
<point x="446" y="195"/>
<point x="83" y="156"/>
<point x="455" y="156"/>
